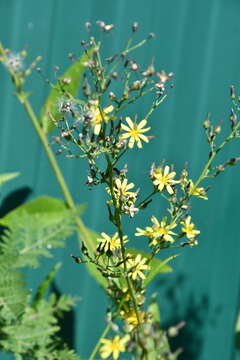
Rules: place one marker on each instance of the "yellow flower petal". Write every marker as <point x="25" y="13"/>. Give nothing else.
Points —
<point x="130" y="122"/>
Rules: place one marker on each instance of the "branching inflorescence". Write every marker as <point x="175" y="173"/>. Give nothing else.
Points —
<point x="96" y="124"/>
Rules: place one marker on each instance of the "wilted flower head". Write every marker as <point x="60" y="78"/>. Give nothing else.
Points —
<point x="163" y="77"/>
<point x="14" y="62"/>
<point x="66" y="105"/>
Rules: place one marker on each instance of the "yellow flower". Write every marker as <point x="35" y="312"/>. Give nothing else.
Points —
<point x="136" y="266"/>
<point x="164" y="179"/>
<point x="134" y="132"/>
<point x="148" y="232"/>
<point x="188" y="228"/>
<point x="162" y="230"/>
<point x="122" y="187"/>
<point x="110" y="242"/>
<point x="99" y="116"/>
<point x="113" y="347"/>
<point x="131" y="319"/>
<point x="199" y="192"/>
<point x="158" y="230"/>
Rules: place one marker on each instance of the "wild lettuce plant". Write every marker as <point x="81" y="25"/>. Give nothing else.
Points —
<point x="89" y="108"/>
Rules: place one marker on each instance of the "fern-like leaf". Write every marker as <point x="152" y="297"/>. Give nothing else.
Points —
<point x="13" y="295"/>
<point x="30" y="237"/>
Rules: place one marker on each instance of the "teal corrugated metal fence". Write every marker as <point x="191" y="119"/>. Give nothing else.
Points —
<point x="199" y="42"/>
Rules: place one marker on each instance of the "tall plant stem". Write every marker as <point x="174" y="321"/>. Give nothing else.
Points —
<point x="118" y="223"/>
<point x="83" y="232"/>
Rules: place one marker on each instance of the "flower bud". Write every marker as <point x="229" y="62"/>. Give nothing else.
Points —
<point x="112" y="96"/>
<point x="88" y="26"/>
<point x="217" y="129"/>
<point x="232" y="92"/>
<point x="134" y="66"/>
<point x="134" y="26"/>
<point x="206" y="124"/>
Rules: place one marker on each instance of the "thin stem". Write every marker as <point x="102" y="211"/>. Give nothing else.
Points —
<point x="105" y="331"/>
<point x="147" y="198"/>
<point x="95" y="350"/>
<point x="134" y="47"/>
<point x="132" y="100"/>
<point x="205" y="171"/>
<point x="50" y="155"/>
<point x="83" y="232"/>
<point x="118" y="224"/>
<point x="154" y="106"/>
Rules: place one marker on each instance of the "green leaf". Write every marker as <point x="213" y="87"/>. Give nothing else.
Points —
<point x="157" y="266"/>
<point x="65" y="354"/>
<point x="74" y="72"/>
<point x="29" y="237"/>
<point x="43" y="287"/>
<point x="52" y="209"/>
<point x="8" y="176"/>
<point x="13" y="295"/>
<point x="92" y="269"/>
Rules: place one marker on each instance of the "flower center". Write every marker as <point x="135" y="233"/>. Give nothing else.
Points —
<point x="134" y="133"/>
<point x="162" y="231"/>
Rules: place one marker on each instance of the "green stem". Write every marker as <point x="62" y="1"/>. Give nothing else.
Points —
<point x="95" y="350"/>
<point x="154" y="106"/>
<point x="83" y="232"/>
<point x="205" y="171"/>
<point x="105" y="331"/>
<point x="50" y="155"/>
<point x="146" y="199"/>
<point x="134" y="47"/>
<point x="118" y="224"/>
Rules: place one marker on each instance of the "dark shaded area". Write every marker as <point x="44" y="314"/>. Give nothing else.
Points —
<point x="197" y="313"/>
<point x="66" y="322"/>
<point x="14" y="199"/>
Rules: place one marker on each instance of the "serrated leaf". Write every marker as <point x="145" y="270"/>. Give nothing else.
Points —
<point x="74" y="72"/>
<point x="52" y="209"/>
<point x="66" y="354"/>
<point x="31" y="236"/>
<point x="13" y="295"/>
<point x="8" y="176"/>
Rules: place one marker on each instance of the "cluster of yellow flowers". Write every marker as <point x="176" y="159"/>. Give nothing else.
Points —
<point x="159" y="230"/>
<point x="163" y="231"/>
<point x="163" y="178"/>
